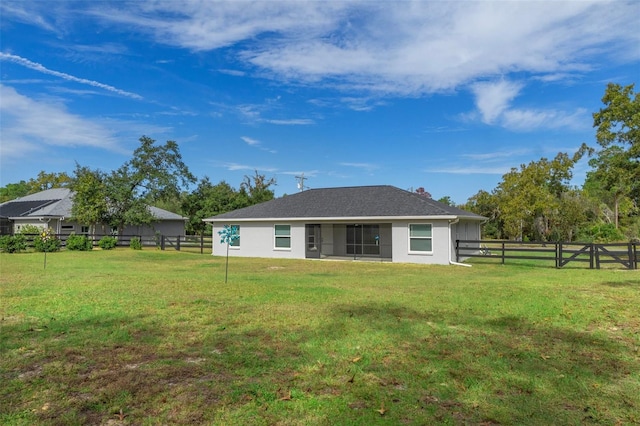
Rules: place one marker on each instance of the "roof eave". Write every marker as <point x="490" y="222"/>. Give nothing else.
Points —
<point x="340" y="219"/>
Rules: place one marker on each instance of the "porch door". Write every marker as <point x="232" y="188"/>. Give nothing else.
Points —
<point x="313" y="243"/>
<point x="363" y="240"/>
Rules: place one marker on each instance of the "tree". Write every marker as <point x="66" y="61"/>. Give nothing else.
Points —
<point x="42" y="182"/>
<point x="14" y="190"/>
<point x="155" y="172"/>
<point x="257" y="188"/>
<point x="530" y="198"/>
<point x="446" y="200"/>
<point x="89" y="201"/>
<point x="46" y="181"/>
<point x="209" y="200"/>
<point x="486" y="204"/>
<point x="421" y="191"/>
<point x="617" y="164"/>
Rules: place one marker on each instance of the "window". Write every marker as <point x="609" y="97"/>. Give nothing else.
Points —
<point x="84" y="230"/>
<point x="282" y="236"/>
<point x="236" y="241"/>
<point x="420" y="239"/>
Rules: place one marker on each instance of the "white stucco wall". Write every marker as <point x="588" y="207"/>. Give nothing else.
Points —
<point x="440" y="245"/>
<point x="258" y="240"/>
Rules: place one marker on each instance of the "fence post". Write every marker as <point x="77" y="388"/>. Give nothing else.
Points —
<point x="503" y="252"/>
<point x="202" y="243"/>
<point x="630" y="253"/>
<point x="178" y="243"/>
<point x="162" y="242"/>
<point x="457" y="251"/>
<point x="558" y="255"/>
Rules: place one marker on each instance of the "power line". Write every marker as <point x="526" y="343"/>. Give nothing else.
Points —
<point x="301" y="180"/>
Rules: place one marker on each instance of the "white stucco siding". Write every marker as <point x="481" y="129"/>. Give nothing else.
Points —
<point x="440" y="243"/>
<point x="258" y="240"/>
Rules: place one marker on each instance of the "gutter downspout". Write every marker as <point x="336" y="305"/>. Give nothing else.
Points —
<point x="451" y="262"/>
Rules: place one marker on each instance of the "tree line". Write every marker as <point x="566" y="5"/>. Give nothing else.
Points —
<point x="537" y="202"/>
<point x="154" y="176"/>
<point x="534" y="201"/>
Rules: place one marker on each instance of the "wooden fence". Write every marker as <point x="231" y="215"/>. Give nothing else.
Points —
<point x="192" y="243"/>
<point x="560" y="253"/>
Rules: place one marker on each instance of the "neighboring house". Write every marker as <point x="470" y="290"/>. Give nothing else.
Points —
<point x="382" y="222"/>
<point x="52" y="209"/>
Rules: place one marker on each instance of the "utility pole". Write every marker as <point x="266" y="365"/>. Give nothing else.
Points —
<point x="301" y="180"/>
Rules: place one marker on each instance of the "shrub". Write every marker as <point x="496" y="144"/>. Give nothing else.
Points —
<point x="602" y="233"/>
<point x="135" y="243"/>
<point x="46" y="241"/>
<point x="107" y="242"/>
<point x="79" y="242"/>
<point x="30" y="230"/>
<point x="13" y="243"/>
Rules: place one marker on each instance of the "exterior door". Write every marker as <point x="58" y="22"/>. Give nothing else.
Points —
<point x="313" y="242"/>
<point x="363" y="240"/>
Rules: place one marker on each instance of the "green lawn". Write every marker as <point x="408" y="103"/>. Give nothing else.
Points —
<point x="150" y="337"/>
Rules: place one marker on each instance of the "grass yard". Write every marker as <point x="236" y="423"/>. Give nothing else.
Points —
<point x="147" y="337"/>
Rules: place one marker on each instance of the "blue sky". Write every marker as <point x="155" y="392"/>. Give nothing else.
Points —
<point x="442" y="95"/>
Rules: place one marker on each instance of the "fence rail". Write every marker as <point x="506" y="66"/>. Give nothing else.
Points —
<point x="561" y="253"/>
<point x="192" y="243"/>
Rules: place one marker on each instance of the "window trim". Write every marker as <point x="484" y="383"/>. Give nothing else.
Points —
<point x="410" y="238"/>
<point x="276" y="237"/>
<point x="235" y="244"/>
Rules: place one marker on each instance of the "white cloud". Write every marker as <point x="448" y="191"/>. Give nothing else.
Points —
<point x="528" y="119"/>
<point x="40" y="68"/>
<point x="235" y="73"/>
<point x="237" y="167"/>
<point x="18" y="12"/>
<point x="411" y="49"/>
<point x="493" y="102"/>
<point x="368" y="167"/>
<point x="250" y="141"/>
<point x="493" y="98"/>
<point x="306" y="173"/>
<point x="27" y="124"/>
<point x="474" y="170"/>
<point x="497" y="155"/>
<point x="290" y="121"/>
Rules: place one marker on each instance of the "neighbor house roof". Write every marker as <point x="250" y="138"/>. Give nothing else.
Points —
<point x="58" y="202"/>
<point x="360" y="202"/>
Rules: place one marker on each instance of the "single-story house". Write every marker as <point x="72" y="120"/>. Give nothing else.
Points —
<point x="52" y="209"/>
<point x="380" y="222"/>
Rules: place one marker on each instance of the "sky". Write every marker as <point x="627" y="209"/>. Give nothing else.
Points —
<point x="448" y="96"/>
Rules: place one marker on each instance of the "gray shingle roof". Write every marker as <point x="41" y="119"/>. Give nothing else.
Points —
<point x="58" y="202"/>
<point x="347" y="202"/>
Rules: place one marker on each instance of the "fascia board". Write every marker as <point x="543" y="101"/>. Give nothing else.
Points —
<point x="332" y="219"/>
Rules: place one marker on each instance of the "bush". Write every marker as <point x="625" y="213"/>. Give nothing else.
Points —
<point x="13" y="243"/>
<point x="107" y="242"/>
<point x="135" y="243"/>
<point x="79" y="243"/>
<point x="601" y="233"/>
<point x="46" y="241"/>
